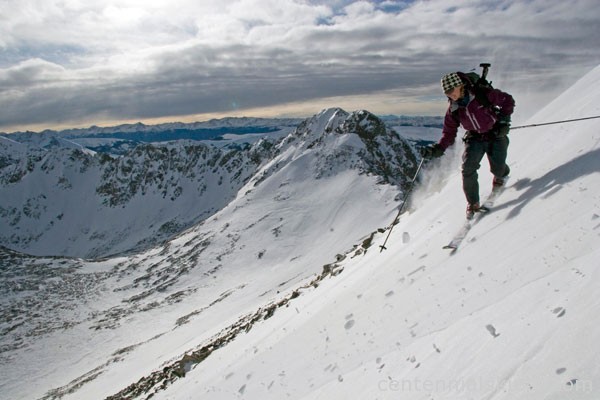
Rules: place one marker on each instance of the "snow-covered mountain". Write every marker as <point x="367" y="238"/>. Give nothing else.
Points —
<point x="284" y="292"/>
<point x="60" y="200"/>
<point x="69" y="202"/>
<point x="299" y="208"/>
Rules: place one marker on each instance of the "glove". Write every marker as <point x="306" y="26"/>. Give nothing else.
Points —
<point x="432" y="151"/>
<point x="503" y="119"/>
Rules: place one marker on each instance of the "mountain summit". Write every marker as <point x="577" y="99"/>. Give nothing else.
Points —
<point x="70" y="201"/>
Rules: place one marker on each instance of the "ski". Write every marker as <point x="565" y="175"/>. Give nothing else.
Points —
<point x="464" y="230"/>
<point x="488" y="204"/>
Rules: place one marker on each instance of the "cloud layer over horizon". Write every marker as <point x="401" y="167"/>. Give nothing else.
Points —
<point x="75" y="61"/>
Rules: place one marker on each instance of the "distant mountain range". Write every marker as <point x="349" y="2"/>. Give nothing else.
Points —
<point x="222" y="132"/>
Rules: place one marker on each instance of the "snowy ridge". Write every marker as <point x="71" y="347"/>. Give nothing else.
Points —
<point x="324" y="137"/>
<point x="71" y="202"/>
<point x="67" y="201"/>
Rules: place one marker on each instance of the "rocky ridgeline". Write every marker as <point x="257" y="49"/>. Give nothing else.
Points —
<point x="63" y="199"/>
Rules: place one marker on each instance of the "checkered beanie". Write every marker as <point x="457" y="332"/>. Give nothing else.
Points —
<point x="450" y="81"/>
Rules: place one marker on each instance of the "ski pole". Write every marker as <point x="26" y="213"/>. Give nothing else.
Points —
<point x="410" y="188"/>
<point x="554" y="122"/>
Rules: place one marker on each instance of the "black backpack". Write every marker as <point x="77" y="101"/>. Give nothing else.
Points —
<point x="480" y="87"/>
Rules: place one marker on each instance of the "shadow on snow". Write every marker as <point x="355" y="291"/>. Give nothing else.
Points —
<point x="553" y="181"/>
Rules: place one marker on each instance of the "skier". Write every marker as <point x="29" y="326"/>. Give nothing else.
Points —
<point x="485" y="115"/>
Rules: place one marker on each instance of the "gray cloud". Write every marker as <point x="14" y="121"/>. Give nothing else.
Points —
<point x="181" y="59"/>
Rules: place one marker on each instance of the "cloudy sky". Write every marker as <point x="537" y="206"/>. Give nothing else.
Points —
<point x="71" y="63"/>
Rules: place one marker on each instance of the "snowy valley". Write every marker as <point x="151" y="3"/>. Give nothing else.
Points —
<point x="281" y="290"/>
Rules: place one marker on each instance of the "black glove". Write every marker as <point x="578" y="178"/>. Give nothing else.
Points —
<point x="502" y="125"/>
<point x="503" y="119"/>
<point x="432" y="151"/>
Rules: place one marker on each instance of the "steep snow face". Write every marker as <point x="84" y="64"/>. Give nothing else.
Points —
<point x="513" y="314"/>
<point x="311" y="202"/>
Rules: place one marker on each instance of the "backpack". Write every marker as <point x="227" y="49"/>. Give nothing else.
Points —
<point x="480" y="87"/>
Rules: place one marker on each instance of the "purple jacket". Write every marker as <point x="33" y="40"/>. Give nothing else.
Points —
<point x="475" y="117"/>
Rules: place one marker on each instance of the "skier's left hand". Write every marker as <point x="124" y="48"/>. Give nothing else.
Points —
<point x="503" y="119"/>
<point x="432" y="151"/>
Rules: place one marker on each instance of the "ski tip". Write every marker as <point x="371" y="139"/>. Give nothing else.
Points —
<point x="451" y="247"/>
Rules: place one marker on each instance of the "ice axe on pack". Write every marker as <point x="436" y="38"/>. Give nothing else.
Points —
<point x="485" y="67"/>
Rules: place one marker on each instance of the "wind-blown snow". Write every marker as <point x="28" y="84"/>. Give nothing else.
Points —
<point x="512" y="315"/>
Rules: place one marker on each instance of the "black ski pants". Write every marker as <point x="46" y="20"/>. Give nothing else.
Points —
<point x="495" y="147"/>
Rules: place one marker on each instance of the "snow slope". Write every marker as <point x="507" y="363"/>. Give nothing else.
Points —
<point x="90" y="328"/>
<point x="514" y="314"/>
